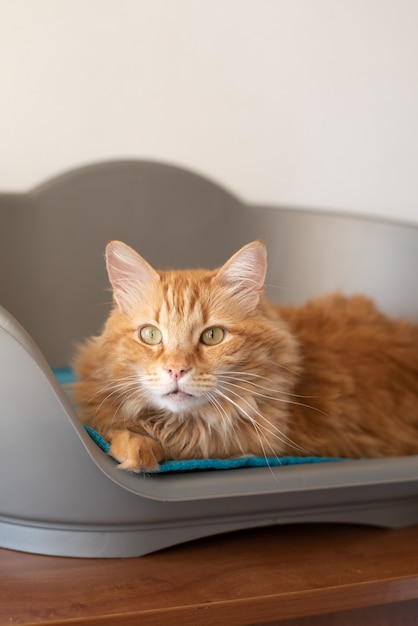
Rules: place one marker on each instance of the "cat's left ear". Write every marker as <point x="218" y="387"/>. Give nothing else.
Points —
<point x="244" y="274"/>
<point x="129" y="274"/>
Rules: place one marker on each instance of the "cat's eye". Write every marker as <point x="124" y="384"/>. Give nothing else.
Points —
<point x="150" y="335"/>
<point x="212" y="336"/>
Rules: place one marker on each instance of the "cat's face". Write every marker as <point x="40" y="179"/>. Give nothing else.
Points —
<point x="183" y="343"/>
<point x="181" y="335"/>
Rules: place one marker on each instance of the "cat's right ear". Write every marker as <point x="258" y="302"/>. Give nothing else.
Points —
<point x="129" y="274"/>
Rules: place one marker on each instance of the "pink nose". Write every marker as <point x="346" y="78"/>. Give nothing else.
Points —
<point x="177" y="371"/>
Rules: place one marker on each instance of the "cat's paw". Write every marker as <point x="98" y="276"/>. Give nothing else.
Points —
<point x="135" y="452"/>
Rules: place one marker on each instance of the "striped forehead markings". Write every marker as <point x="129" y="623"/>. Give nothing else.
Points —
<point x="182" y="300"/>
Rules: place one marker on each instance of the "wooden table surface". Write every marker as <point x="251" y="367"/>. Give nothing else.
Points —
<point x="329" y="572"/>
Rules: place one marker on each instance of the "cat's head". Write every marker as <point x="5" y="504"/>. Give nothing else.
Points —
<point x="176" y="334"/>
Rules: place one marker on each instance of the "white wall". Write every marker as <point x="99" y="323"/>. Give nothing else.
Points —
<point x="297" y="102"/>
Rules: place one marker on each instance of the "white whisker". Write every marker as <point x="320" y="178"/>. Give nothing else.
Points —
<point x="226" y="423"/>
<point x="256" y="427"/>
<point x="276" y="432"/>
<point x="283" y="400"/>
<point x="233" y="376"/>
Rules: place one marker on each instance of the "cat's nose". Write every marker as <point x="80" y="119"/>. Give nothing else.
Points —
<point x="177" y="371"/>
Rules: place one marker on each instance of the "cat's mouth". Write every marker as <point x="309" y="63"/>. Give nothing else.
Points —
<point x="179" y="401"/>
<point x="178" y="395"/>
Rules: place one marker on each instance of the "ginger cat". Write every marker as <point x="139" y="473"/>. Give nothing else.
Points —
<point x="197" y="364"/>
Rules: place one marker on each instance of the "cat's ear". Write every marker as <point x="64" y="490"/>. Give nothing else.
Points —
<point x="243" y="275"/>
<point x="129" y="274"/>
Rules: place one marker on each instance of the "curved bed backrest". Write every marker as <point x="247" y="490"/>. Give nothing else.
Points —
<point x="52" y="275"/>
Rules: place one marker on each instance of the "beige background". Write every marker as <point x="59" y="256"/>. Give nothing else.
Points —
<point x="310" y="103"/>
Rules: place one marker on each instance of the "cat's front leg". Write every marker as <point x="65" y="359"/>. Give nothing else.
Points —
<point x="135" y="452"/>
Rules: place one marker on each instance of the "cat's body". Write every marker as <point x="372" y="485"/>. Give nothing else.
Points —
<point x="197" y="364"/>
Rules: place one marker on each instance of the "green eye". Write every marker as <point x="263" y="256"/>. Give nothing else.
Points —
<point x="150" y="335"/>
<point x="212" y="336"/>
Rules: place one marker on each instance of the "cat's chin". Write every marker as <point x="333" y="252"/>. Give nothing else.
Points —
<point x="179" y="402"/>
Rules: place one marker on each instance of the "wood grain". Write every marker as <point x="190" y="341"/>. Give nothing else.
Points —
<point x="249" y="577"/>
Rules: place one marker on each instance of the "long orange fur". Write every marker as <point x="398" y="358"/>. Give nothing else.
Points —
<point x="334" y="377"/>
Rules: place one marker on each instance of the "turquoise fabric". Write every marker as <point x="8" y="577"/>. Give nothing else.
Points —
<point x="219" y="464"/>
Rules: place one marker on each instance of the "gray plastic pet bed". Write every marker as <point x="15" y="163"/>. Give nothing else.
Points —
<point x="59" y="492"/>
